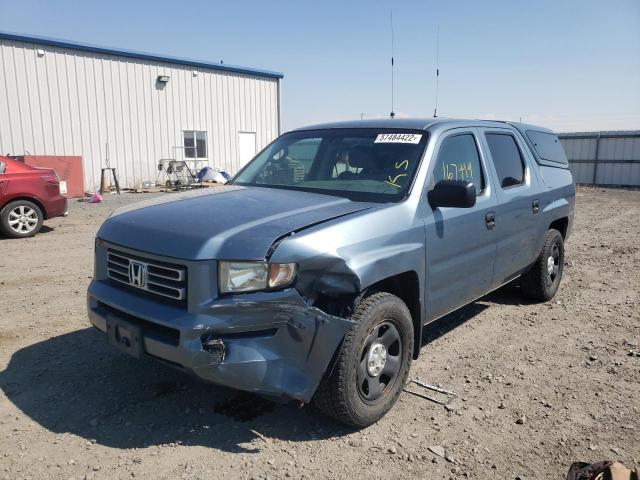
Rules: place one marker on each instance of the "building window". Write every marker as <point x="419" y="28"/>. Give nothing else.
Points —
<point x="195" y="143"/>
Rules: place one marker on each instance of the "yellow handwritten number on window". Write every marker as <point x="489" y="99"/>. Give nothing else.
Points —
<point x="457" y="171"/>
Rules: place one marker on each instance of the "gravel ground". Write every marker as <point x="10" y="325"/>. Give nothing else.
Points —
<point x="538" y="386"/>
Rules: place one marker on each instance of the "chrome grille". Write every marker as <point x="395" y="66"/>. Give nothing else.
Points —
<point x="164" y="279"/>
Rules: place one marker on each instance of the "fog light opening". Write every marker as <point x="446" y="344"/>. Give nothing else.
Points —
<point x="216" y="348"/>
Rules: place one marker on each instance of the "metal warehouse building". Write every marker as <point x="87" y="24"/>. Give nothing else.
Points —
<point x="604" y="158"/>
<point x="68" y="99"/>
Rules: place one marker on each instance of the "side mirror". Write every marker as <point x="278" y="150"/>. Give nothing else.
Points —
<point x="3" y="167"/>
<point x="452" y="193"/>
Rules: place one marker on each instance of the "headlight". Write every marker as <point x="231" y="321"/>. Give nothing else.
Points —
<point x="235" y="277"/>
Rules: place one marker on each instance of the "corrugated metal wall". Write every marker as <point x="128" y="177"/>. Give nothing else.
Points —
<point x="60" y="101"/>
<point x="604" y="158"/>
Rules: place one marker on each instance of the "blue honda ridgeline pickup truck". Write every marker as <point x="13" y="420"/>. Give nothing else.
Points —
<point x="311" y="274"/>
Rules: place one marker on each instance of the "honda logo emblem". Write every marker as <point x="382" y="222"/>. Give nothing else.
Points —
<point x="137" y="274"/>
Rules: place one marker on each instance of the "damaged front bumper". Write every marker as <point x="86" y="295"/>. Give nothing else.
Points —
<point x="271" y="343"/>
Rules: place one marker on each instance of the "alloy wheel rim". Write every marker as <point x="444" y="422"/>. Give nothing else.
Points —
<point x="379" y="362"/>
<point x="23" y="219"/>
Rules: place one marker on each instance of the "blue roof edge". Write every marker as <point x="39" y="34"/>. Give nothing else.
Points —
<point x="54" y="42"/>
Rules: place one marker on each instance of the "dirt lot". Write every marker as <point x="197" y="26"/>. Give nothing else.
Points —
<point x="538" y="386"/>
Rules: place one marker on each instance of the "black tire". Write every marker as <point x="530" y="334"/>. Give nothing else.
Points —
<point x="541" y="282"/>
<point x="32" y="222"/>
<point x="342" y="393"/>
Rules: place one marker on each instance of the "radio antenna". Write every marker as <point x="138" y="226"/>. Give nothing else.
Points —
<point x="393" y="114"/>
<point x="435" y="110"/>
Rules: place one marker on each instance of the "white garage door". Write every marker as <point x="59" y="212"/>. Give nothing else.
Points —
<point x="247" y="146"/>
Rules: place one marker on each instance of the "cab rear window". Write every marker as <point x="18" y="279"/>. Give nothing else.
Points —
<point x="547" y="146"/>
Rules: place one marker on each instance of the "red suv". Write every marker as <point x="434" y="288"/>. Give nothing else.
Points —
<point x="28" y="196"/>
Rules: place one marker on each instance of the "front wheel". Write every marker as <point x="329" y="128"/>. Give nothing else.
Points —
<point x="372" y="365"/>
<point x="541" y="282"/>
<point x="20" y="219"/>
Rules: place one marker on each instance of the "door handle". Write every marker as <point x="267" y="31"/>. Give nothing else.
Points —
<point x="490" y="220"/>
<point x="535" y="206"/>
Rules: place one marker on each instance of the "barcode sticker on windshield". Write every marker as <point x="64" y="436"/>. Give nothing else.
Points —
<point x="398" y="138"/>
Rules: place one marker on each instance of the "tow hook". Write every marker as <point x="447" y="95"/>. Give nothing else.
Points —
<point x="216" y="348"/>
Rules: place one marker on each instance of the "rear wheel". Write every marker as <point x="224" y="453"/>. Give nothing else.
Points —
<point x="20" y="219"/>
<point x="541" y="282"/>
<point x="372" y="365"/>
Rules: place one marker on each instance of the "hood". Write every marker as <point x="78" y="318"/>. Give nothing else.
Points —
<point x="227" y="222"/>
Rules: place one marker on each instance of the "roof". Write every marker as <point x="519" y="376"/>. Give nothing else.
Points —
<point x="53" y="42"/>
<point x="601" y="134"/>
<point x="414" y="123"/>
<point x="411" y="123"/>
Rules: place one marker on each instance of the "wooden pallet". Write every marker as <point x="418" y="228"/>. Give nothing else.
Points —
<point x="164" y="188"/>
<point x="153" y="189"/>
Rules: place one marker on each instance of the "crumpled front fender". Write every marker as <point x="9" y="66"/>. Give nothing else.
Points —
<point x="288" y="355"/>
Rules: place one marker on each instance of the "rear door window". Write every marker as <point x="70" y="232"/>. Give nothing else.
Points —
<point x="458" y="159"/>
<point x="547" y="146"/>
<point x="507" y="159"/>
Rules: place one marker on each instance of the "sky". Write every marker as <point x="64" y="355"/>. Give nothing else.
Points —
<point x="570" y="65"/>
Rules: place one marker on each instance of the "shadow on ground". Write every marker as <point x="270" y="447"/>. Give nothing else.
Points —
<point x="509" y="294"/>
<point x="77" y="383"/>
<point x="444" y="325"/>
<point x="43" y="231"/>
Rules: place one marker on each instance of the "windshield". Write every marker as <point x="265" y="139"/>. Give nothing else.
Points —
<point x="367" y="164"/>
